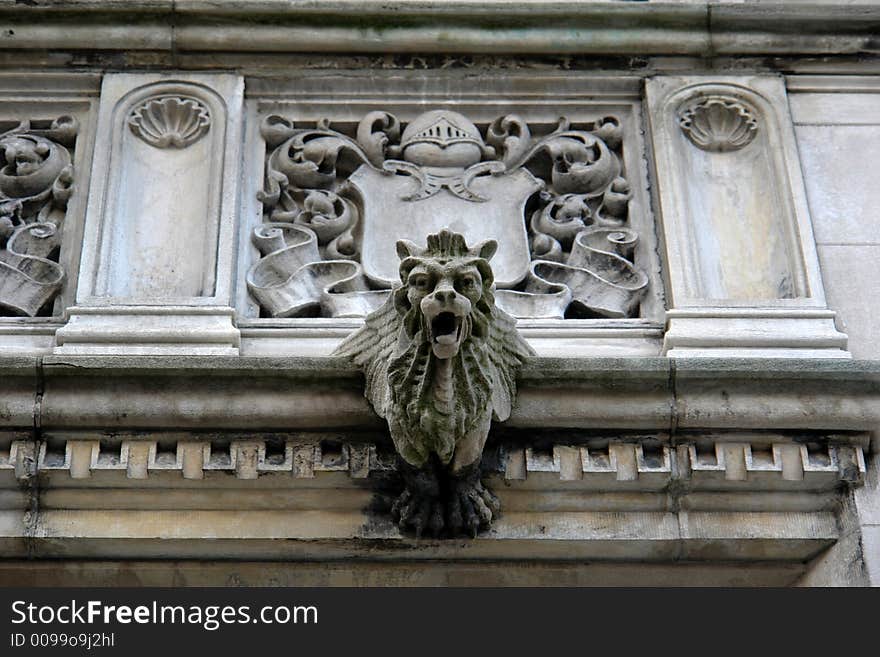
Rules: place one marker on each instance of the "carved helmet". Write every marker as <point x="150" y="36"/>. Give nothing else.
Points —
<point x="442" y="138"/>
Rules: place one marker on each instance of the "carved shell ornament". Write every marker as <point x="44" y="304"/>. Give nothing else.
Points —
<point x="718" y="124"/>
<point x="170" y="121"/>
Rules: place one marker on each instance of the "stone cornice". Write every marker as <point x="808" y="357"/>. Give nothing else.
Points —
<point x="292" y="394"/>
<point x="282" y="458"/>
<point x="453" y="27"/>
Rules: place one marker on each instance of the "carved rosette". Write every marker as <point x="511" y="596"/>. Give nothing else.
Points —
<point x="170" y="121"/>
<point x="718" y="123"/>
<point x="557" y="204"/>
<point x="36" y="179"/>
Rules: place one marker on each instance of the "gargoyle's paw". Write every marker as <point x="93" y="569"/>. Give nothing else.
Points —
<point x="471" y="509"/>
<point x="416" y="513"/>
<point x="399" y="504"/>
<point x="490" y="500"/>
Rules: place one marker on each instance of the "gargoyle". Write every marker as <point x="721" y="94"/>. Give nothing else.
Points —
<point x="440" y="362"/>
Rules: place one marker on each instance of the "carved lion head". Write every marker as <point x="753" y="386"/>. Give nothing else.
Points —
<point x="446" y="290"/>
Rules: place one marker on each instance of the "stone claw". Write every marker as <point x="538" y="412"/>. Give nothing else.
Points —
<point x="472" y="507"/>
<point x="444" y="504"/>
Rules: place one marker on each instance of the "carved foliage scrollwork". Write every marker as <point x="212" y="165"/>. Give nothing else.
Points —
<point x="555" y="197"/>
<point x="36" y="179"/>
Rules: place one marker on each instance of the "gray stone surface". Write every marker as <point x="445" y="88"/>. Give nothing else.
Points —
<point x="835" y="120"/>
<point x="549" y="388"/>
<point x="867" y="498"/>
<point x="842" y="193"/>
<point x="20" y="379"/>
<point x="615" y="509"/>
<point x="157" y="263"/>
<point x="850" y="273"/>
<point x="867" y="508"/>
<point x="871" y="552"/>
<point x="841" y="565"/>
<point x="647" y="393"/>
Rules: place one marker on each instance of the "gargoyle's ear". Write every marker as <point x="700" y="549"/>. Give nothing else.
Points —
<point x="407" y="249"/>
<point x="486" y="249"/>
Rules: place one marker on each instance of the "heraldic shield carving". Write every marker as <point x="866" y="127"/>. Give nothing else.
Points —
<point x="336" y="203"/>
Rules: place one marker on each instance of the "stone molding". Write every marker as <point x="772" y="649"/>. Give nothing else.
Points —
<point x="701" y="462"/>
<point x="165" y="494"/>
<point x="294" y="394"/>
<point x="697" y="27"/>
<point x="671" y="460"/>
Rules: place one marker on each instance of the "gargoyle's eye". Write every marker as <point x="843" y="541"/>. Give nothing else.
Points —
<point x="420" y="282"/>
<point x="467" y="283"/>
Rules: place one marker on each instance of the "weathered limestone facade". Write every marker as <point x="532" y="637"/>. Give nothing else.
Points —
<point x="200" y="201"/>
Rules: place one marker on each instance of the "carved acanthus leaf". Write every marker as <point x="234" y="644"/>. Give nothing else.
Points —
<point x="375" y="132"/>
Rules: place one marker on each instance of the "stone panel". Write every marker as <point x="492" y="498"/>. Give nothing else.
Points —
<point x="840" y="166"/>
<point x="741" y="260"/>
<point x="871" y="552"/>
<point x="157" y="263"/>
<point x="853" y="289"/>
<point x="516" y="117"/>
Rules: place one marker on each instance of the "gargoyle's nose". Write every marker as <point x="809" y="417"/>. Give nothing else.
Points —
<point x="444" y="295"/>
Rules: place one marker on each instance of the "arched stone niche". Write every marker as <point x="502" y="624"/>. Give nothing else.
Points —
<point x="162" y="212"/>
<point x="160" y="224"/>
<point x="741" y="266"/>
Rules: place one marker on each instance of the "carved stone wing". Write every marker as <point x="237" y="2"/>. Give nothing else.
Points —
<point x="507" y="353"/>
<point x="370" y="348"/>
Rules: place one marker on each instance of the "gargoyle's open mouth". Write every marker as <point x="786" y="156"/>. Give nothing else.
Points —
<point x="446" y="328"/>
